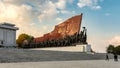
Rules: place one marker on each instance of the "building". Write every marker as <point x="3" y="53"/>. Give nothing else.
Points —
<point x="8" y="34"/>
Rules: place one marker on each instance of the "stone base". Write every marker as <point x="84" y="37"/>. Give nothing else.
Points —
<point x="77" y="48"/>
<point x="84" y="48"/>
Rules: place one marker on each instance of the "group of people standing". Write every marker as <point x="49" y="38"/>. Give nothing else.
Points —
<point x="115" y="57"/>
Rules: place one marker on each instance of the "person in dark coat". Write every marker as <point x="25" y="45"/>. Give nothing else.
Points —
<point x="115" y="57"/>
<point x="107" y="57"/>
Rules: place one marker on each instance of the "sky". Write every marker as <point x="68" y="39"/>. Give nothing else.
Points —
<point x="38" y="17"/>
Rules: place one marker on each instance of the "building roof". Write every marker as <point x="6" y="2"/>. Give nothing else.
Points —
<point x="5" y="25"/>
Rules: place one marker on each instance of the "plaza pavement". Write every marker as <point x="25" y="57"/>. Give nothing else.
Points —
<point x="23" y="58"/>
<point x="64" y="64"/>
<point x="8" y="55"/>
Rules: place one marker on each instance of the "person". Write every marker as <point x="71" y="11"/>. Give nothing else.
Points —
<point x="107" y="58"/>
<point x="115" y="57"/>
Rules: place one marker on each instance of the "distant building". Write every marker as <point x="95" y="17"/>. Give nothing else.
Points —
<point x="7" y="34"/>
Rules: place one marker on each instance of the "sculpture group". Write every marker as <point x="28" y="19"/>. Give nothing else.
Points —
<point x="65" y="34"/>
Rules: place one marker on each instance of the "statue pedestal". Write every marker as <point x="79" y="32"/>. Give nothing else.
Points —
<point x="84" y="47"/>
<point x="78" y="48"/>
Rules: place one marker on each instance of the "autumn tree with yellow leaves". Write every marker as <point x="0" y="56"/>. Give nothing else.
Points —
<point x="23" y="37"/>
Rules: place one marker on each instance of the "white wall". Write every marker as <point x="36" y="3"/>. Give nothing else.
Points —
<point x="77" y="48"/>
<point x="1" y="36"/>
<point x="8" y="37"/>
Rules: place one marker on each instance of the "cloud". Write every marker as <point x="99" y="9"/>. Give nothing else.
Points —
<point x="50" y="9"/>
<point x="59" y="20"/>
<point x="27" y="14"/>
<point x="93" y="4"/>
<point x="48" y="12"/>
<point x="96" y="7"/>
<point x="61" y="4"/>
<point x="67" y="12"/>
<point x="22" y="16"/>
<point x="70" y="1"/>
<point x="115" y="40"/>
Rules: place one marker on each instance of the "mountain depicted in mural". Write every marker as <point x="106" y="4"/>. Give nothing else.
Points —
<point x="67" y="28"/>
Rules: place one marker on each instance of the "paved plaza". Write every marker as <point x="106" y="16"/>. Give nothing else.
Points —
<point x="13" y="55"/>
<point x="64" y="64"/>
<point x="24" y="58"/>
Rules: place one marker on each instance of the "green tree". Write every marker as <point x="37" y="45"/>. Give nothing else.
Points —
<point x="117" y="50"/>
<point x="110" y="49"/>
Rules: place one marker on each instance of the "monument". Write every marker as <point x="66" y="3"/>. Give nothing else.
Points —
<point x="65" y="34"/>
<point x="82" y="41"/>
<point x="67" y="28"/>
<point x="7" y="34"/>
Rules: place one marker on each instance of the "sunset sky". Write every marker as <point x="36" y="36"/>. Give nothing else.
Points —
<point x="37" y="17"/>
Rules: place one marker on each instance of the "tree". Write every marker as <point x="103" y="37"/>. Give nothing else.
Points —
<point x="23" y="37"/>
<point x="113" y="50"/>
<point x="117" y="50"/>
<point x="110" y="49"/>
